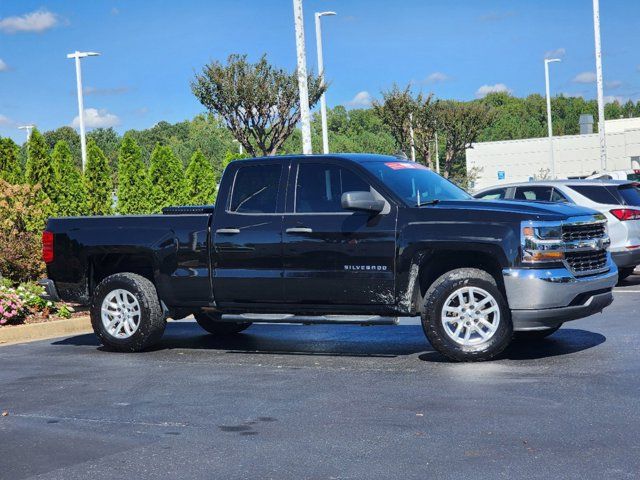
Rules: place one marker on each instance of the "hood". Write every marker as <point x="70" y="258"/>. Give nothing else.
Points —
<point x="524" y="210"/>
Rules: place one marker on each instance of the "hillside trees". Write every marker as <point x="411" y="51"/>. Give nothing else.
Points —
<point x="200" y="181"/>
<point x="133" y="181"/>
<point x="71" y="199"/>
<point x="98" y="181"/>
<point x="10" y="170"/>
<point x="167" y="179"/>
<point x="40" y="169"/>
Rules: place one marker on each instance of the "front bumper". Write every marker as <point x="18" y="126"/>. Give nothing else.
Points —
<point x="626" y="258"/>
<point x="541" y="299"/>
<point x="50" y="291"/>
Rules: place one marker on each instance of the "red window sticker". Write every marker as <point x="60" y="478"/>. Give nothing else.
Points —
<point x="405" y="166"/>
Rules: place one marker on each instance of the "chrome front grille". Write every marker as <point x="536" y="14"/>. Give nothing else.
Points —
<point x="585" y="263"/>
<point x="583" y="231"/>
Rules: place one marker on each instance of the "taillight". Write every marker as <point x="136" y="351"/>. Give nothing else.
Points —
<point x="624" y="214"/>
<point x="47" y="247"/>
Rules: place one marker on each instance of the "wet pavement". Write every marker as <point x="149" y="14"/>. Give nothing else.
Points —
<point x="327" y="402"/>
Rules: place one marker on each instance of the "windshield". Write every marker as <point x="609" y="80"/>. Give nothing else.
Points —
<point x="415" y="183"/>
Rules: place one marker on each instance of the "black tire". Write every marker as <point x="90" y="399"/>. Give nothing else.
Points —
<point x="434" y="300"/>
<point x="534" y="335"/>
<point x="152" y="320"/>
<point x="213" y="323"/>
<point x="625" y="272"/>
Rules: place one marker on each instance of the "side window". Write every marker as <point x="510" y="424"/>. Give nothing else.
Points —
<point x="319" y="187"/>
<point x="558" y="197"/>
<point x="540" y="194"/>
<point x="255" y="189"/>
<point x="495" y="194"/>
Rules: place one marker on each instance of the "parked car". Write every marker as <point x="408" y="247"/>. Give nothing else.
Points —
<point x="337" y="239"/>
<point x="633" y="175"/>
<point x="618" y="200"/>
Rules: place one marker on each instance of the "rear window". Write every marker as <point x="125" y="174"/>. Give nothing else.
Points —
<point x="540" y="194"/>
<point x="597" y="193"/>
<point x="630" y="195"/>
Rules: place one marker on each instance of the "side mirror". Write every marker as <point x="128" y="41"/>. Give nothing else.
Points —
<point x="362" y="201"/>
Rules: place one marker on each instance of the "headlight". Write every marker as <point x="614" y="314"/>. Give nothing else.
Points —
<point x="542" y="242"/>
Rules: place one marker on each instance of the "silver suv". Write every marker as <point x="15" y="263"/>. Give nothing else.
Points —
<point x="618" y="200"/>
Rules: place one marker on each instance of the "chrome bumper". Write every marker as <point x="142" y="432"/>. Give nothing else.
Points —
<point x="541" y="298"/>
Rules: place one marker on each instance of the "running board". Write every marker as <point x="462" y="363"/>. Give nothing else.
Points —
<point x="311" y="320"/>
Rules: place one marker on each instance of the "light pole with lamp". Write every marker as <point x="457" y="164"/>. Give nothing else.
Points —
<point x="547" y="61"/>
<point x="323" y="102"/>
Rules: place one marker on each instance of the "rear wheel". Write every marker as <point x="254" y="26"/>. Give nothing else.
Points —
<point x="625" y="272"/>
<point x="212" y="323"/>
<point x="536" y="334"/>
<point x="465" y="316"/>
<point x="126" y="314"/>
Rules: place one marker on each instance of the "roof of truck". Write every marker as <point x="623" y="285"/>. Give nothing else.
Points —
<point x="353" y="157"/>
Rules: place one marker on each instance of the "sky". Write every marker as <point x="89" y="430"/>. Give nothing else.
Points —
<point x="150" y="51"/>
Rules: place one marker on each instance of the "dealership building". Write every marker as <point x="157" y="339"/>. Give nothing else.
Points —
<point x="575" y="155"/>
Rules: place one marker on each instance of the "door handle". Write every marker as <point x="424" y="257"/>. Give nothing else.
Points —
<point x="299" y="230"/>
<point x="228" y="231"/>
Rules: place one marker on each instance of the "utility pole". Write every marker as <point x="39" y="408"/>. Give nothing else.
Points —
<point x="601" y="119"/>
<point x="28" y="128"/>
<point x="547" y="61"/>
<point x="323" y="102"/>
<point x="83" y="143"/>
<point x="437" y="155"/>
<point x="413" y="145"/>
<point x="305" y="121"/>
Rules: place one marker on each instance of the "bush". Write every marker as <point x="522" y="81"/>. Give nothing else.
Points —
<point x="24" y="210"/>
<point x="12" y="309"/>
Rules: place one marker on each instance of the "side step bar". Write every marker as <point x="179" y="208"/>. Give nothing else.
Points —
<point x="311" y="320"/>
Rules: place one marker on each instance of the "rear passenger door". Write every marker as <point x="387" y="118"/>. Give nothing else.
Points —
<point x="247" y="234"/>
<point x="331" y="255"/>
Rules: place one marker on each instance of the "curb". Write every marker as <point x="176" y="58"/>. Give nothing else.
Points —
<point x="43" y="331"/>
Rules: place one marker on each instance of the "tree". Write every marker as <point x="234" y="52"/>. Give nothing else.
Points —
<point x="72" y="192"/>
<point x="201" y="180"/>
<point x="98" y="181"/>
<point x="258" y="102"/>
<point x="108" y="141"/>
<point x="461" y="124"/>
<point x="10" y="170"/>
<point x="40" y="168"/>
<point x="133" y="180"/>
<point x="400" y="111"/>
<point x="68" y="135"/>
<point x="167" y="179"/>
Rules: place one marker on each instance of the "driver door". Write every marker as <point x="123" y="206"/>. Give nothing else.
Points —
<point x="331" y="255"/>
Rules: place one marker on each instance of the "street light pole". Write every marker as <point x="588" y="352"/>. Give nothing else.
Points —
<point x="305" y="121"/>
<point x="601" y="119"/>
<point x="547" y="61"/>
<point x="83" y="144"/>
<point x="323" y="102"/>
<point x="411" y="139"/>
<point x="28" y="128"/>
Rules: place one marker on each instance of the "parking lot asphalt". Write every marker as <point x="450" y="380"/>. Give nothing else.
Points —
<point x="327" y="402"/>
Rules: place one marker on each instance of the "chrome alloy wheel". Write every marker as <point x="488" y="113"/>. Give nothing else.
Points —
<point x="120" y="313"/>
<point x="470" y="316"/>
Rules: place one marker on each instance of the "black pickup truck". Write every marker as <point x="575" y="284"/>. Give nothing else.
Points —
<point x="336" y="239"/>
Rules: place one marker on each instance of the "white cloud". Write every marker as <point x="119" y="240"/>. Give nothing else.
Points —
<point x="485" y="90"/>
<point x="613" y="84"/>
<point x="94" y="118"/>
<point x="362" y="99"/>
<point x="557" y="53"/>
<point x="37" y="21"/>
<point x="585" y="77"/>
<point x="115" y="11"/>
<point x="615" y="98"/>
<point x="437" y="77"/>
<point x="5" y="120"/>
<point x="3" y="66"/>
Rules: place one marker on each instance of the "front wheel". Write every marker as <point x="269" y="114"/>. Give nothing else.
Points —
<point x="212" y="323"/>
<point x="126" y="314"/>
<point x="465" y="316"/>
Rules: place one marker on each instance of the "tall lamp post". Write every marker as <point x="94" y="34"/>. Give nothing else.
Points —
<point x="547" y="61"/>
<point x="305" y="121"/>
<point x="28" y="128"/>
<point x="323" y="102"/>
<point x="83" y="144"/>
<point x="601" y="119"/>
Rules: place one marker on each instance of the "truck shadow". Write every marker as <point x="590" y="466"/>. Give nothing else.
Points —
<point x="346" y="341"/>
